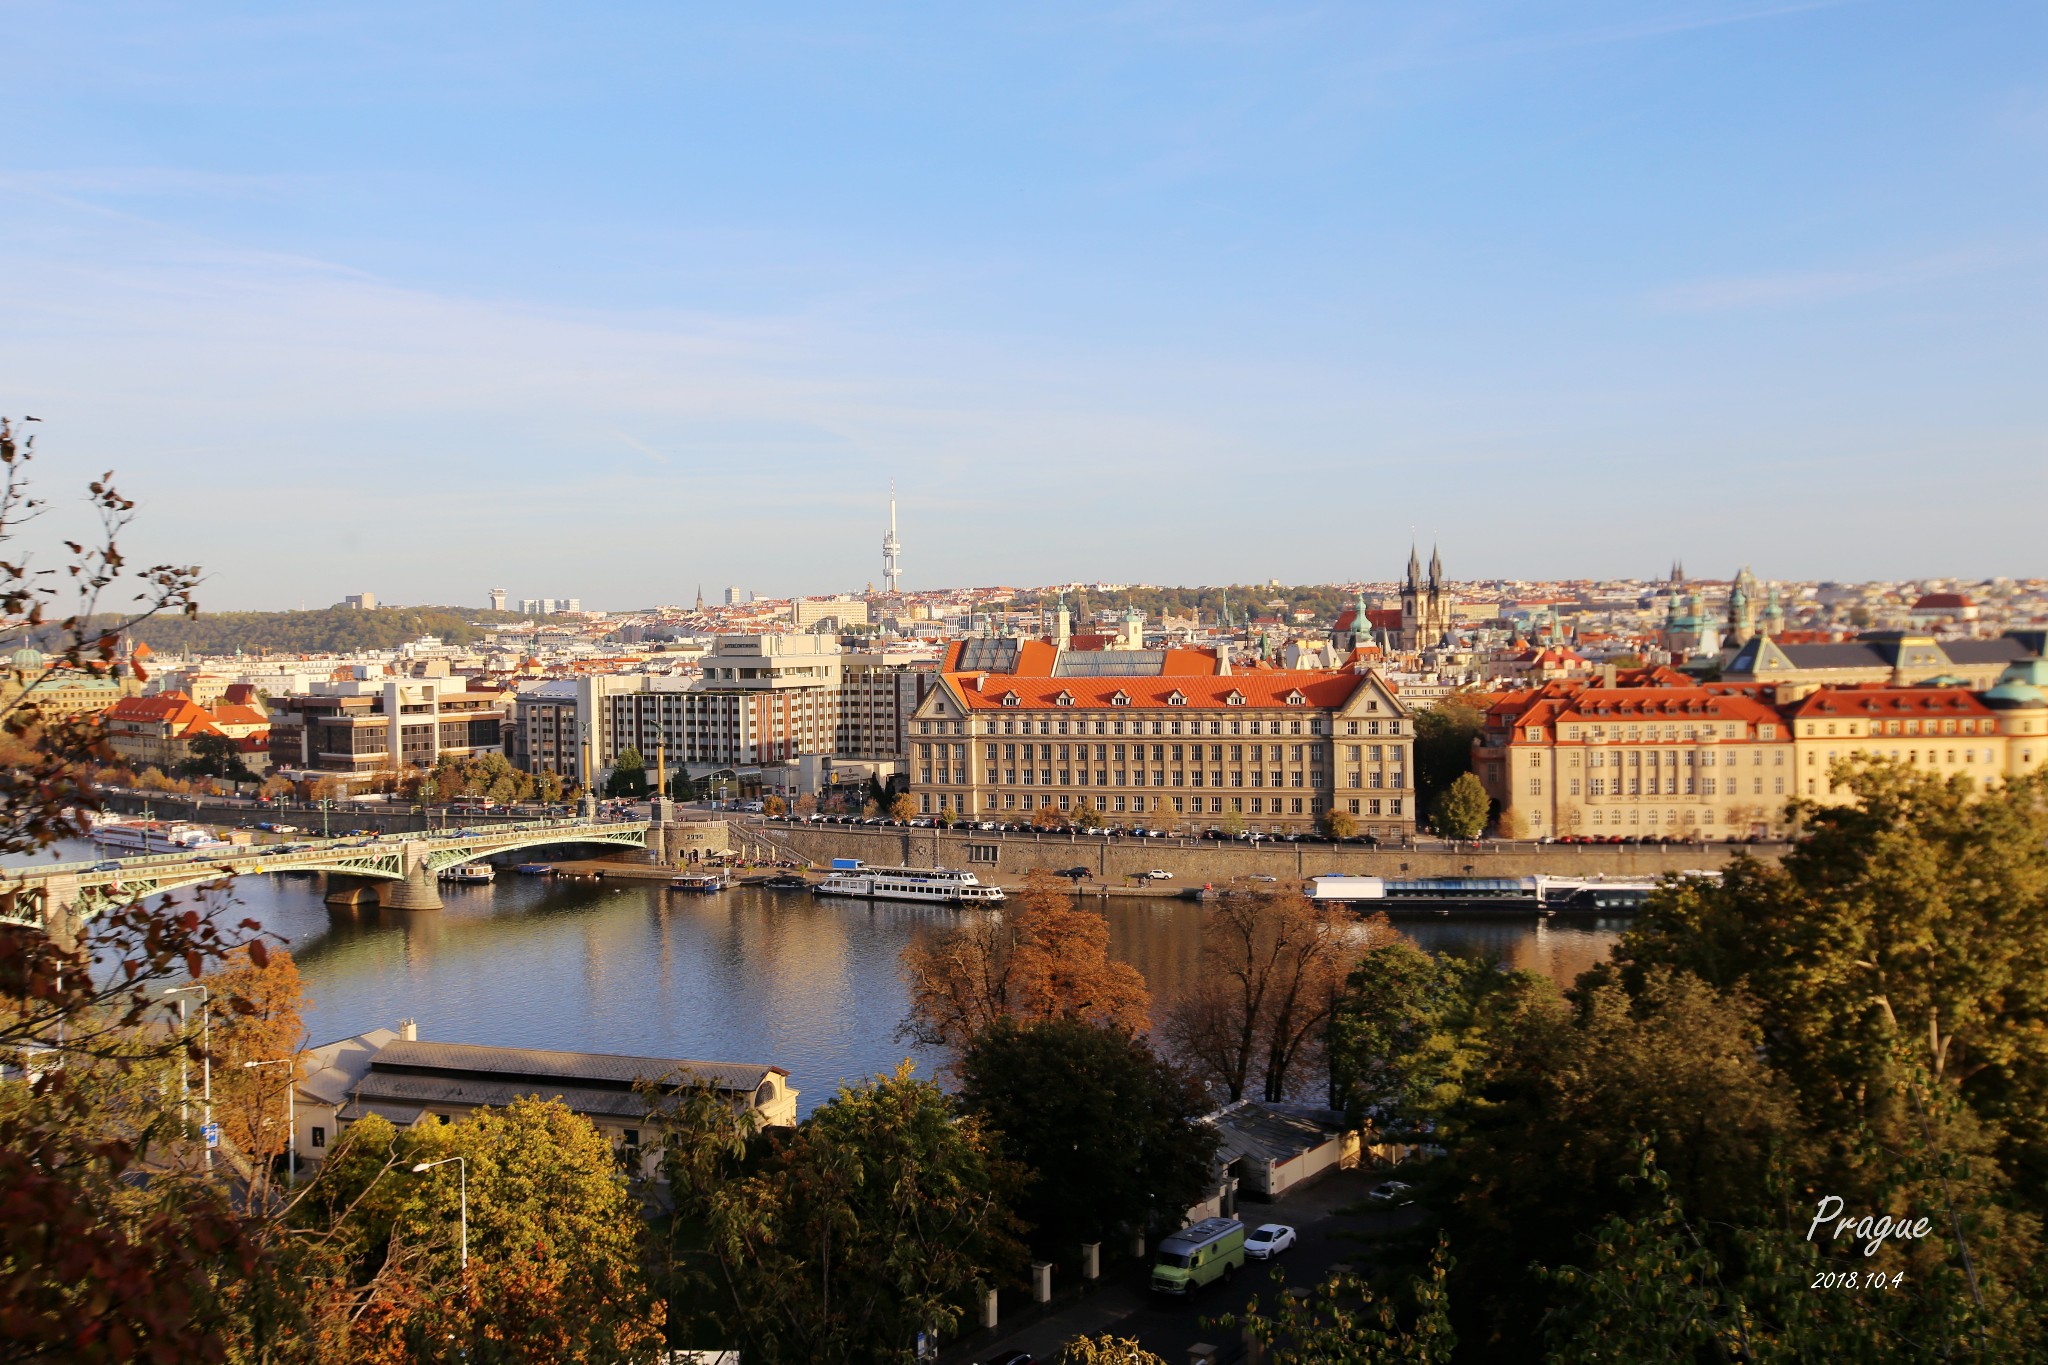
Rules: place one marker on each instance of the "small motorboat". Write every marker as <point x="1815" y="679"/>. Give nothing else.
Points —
<point x="786" y="881"/>
<point x="534" y="869"/>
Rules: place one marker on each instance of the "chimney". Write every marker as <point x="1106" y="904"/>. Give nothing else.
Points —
<point x="408" y="1031"/>
<point x="1607" y="675"/>
<point x="1222" y="658"/>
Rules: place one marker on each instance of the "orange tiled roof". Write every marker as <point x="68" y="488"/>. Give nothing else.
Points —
<point x="1004" y="691"/>
<point x="1878" y="700"/>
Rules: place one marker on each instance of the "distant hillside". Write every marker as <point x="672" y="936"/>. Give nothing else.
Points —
<point x="334" y="630"/>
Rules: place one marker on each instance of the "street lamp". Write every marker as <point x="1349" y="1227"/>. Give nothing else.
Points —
<point x="462" y="1175"/>
<point x="205" y="1056"/>
<point x="291" y="1120"/>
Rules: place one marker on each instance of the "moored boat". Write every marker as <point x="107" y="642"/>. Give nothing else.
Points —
<point x="932" y="885"/>
<point x="469" y="874"/>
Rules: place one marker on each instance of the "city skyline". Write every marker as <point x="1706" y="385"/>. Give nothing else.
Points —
<point x="1177" y="293"/>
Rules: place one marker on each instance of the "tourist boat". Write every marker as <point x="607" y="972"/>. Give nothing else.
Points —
<point x="935" y="885"/>
<point x="469" y="874"/>
<point x="154" y="836"/>
<point x="698" y="881"/>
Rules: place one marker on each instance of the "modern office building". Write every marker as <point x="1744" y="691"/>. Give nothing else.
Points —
<point x="347" y="725"/>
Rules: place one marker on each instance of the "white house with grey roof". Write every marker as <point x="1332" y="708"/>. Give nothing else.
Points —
<point x="407" y="1081"/>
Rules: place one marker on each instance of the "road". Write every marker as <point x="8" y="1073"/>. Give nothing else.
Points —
<point x="1168" y="1327"/>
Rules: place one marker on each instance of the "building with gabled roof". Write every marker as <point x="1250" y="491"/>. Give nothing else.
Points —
<point x="1168" y="738"/>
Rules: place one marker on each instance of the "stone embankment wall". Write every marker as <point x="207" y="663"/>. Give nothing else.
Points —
<point x="1005" y="857"/>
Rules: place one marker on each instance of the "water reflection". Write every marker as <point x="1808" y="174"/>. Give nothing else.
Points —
<point x="747" y="975"/>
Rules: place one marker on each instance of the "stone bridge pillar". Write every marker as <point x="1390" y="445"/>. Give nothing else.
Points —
<point x="418" y="891"/>
<point x="344" y="889"/>
<point x="63" y="919"/>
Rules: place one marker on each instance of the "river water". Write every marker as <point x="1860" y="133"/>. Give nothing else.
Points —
<point x="748" y="975"/>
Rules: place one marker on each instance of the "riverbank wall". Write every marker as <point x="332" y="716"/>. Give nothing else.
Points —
<point x="1004" y="856"/>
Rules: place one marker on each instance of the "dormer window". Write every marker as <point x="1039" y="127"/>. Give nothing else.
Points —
<point x="1119" y="698"/>
<point x="1176" y="698"/>
<point x="1010" y="699"/>
<point x="1236" y="698"/>
<point x="1063" y="699"/>
<point x="1296" y="699"/>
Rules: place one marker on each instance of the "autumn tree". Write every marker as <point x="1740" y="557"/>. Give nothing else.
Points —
<point x="1460" y="810"/>
<point x="1342" y="1321"/>
<point x="1049" y="818"/>
<point x="1272" y="963"/>
<point x="901" y="807"/>
<point x="113" y="1241"/>
<point x="1339" y="824"/>
<point x="1106" y="1127"/>
<point x="554" y="1239"/>
<point x="1045" y="958"/>
<point x="255" y="1017"/>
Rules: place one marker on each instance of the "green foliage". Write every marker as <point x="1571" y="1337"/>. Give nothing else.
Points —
<point x="629" y="775"/>
<point x="1106" y="1128"/>
<point x="1652" y="1289"/>
<point x="1443" y="746"/>
<point x="216" y="756"/>
<point x="330" y="630"/>
<point x="1918" y="913"/>
<point x="1460" y="810"/>
<point x="554" y="1239"/>
<point x="1411" y="1029"/>
<point x="876" y="1219"/>
<point x="487" y="775"/>
<point x="1341" y="1322"/>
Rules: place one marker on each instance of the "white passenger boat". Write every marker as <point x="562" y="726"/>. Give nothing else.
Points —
<point x="933" y="885"/>
<point x="469" y="874"/>
<point x="154" y="836"/>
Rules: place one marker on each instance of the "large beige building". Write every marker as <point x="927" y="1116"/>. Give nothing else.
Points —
<point x="1168" y="739"/>
<point x="1650" y="755"/>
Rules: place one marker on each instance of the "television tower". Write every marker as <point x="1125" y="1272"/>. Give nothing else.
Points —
<point x="891" y="547"/>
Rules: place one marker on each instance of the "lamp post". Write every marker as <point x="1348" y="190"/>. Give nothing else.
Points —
<point x="291" y="1119"/>
<point x="462" y="1175"/>
<point x="205" y="1055"/>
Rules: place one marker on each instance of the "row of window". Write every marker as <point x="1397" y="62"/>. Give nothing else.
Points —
<point x="1669" y="786"/>
<point x="1128" y="777"/>
<point x="1010" y="725"/>
<point x="1140" y="805"/>
<point x="1977" y="725"/>
<point x="1616" y="734"/>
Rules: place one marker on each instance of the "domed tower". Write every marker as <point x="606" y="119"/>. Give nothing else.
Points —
<point x="2021" y="701"/>
<point x="1742" y="607"/>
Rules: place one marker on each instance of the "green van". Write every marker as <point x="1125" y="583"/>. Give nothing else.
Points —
<point x="1211" y="1250"/>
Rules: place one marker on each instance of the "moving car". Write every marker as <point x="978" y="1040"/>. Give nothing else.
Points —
<point x="1158" y="875"/>
<point x="1268" y="1240"/>
<point x="1392" y="1192"/>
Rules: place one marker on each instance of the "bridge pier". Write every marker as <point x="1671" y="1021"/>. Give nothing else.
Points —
<point x="343" y="889"/>
<point x="62" y="920"/>
<point x="419" y="890"/>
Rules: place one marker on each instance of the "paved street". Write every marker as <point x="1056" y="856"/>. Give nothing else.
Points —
<point x="1169" y="1327"/>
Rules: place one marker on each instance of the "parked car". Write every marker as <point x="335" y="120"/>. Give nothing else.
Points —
<point x="1268" y="1240"/>
<point x="1159" y="875"/>
<point x="1262" y="877"/>
<point x="1392" y="1192"/>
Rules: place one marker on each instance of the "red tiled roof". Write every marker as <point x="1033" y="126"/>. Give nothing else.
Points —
<point x="1942" y="601"/>
<point x="1890" y="701"/>
<point x="1320" y="688"/>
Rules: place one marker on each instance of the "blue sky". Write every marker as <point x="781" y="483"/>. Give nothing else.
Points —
<point x="606" y="300"/>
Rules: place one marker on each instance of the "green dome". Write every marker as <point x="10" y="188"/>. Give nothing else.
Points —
<point x="27" y="658"/>
<point x="2016" y="694"/>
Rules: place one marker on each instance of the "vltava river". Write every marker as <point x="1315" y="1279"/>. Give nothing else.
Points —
<point x="782" y="978"/>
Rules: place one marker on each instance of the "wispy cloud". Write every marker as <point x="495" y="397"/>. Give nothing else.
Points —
<point x="1739" y="293"/>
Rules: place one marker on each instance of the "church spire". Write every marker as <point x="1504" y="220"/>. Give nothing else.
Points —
<point x="1436" y="569"/>
<point x="1414" y="566"/>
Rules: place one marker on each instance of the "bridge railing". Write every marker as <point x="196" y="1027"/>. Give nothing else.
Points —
<point x="319" y="844"/>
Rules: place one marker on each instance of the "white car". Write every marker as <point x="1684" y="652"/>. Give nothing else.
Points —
<point x="1268" y="1240"/>
<point x="1159" y="876"/>
<point x="1393" y="1192"/>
